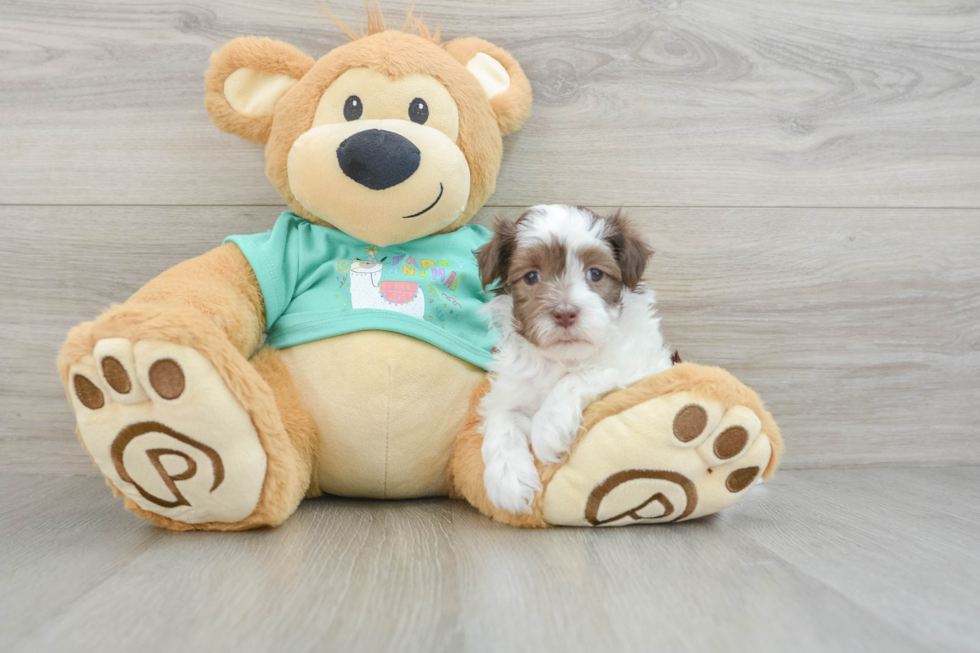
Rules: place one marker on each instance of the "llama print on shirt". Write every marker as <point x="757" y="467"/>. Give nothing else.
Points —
<point x="368" y="290"/>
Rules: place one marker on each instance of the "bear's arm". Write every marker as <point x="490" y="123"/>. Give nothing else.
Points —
<point x="221" y="286"/>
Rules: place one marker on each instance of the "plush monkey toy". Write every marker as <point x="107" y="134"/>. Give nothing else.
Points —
<point x="368" y="296"/>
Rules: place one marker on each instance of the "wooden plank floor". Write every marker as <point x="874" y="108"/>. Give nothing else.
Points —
<point x="808" y="173"/>
<point x="819" y="560"/>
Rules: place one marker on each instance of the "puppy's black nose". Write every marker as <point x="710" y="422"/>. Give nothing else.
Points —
<point x="377" y="158"/>
<point x="565" y="317"/>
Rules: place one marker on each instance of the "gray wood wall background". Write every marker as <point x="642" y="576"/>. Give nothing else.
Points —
<point x="808" y="171"/>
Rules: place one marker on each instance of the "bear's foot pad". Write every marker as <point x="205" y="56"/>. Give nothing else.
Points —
<point x="163" y="427"/>
<point x="671" y="458"/>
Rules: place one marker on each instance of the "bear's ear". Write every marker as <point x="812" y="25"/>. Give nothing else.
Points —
<point x="501" y="78"/>
<point x="246" y="78"/>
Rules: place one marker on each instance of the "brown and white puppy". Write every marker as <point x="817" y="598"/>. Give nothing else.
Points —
<point x="574" y="323"/>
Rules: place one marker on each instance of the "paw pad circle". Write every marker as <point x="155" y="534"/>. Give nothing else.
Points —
<point x="741" y="479"/>
<point x="168" y="457"/>
<point x="690" y="422"/>
<point x="673" y="457"/>
<point x="88" y="393"/>
<point x="731" y="442"/>
<point x="167" y="378"/>
<point x="115" y="375"/>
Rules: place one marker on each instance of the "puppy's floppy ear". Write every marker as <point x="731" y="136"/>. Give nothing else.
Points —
<point x="246" y="79"/>
<point x="493" y="259"/>
<point x="501" y="78"/>
<point x="630" y="250"/>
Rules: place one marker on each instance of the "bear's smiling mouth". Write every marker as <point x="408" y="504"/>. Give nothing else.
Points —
<point x="415" y="215"/>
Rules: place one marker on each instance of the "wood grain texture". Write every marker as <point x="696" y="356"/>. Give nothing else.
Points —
<point x="908" y="553"/>
<point x="689" y="587"/>
<point x="345" y="576"/>
<point x="59" y="539"/>
<point x="652" y="102"/>
<point x="859" y="328"/>
<point x="819" y="560"/>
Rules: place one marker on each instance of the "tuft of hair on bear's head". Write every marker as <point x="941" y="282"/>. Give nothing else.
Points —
<point x="393" y="136"/>
<point x="376" y="24"/>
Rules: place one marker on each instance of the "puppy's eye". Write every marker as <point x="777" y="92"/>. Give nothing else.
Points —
<point x="418" y="111"/>
<point x="532" y="278"/>
<point x="353" y="108"/>
<point x="595" y="274"/>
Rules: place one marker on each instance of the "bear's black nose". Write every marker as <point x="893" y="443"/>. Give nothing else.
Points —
<point x="377" y="158"/>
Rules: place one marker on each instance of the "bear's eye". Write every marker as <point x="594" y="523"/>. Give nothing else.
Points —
<point x="532" y="278"/>
<point x="418" y="111"/>
<point x="595" y="274"/>
<point x="353" y="108"/>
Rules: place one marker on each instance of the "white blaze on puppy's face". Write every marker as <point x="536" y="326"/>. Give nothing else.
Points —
<point x="574" y="324"/>
<point x="564" y="269"/>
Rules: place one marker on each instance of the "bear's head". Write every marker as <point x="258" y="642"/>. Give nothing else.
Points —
<point x="388" y="138"/>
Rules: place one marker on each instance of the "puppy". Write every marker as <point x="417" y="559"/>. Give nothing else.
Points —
<point x="574" y="324"/>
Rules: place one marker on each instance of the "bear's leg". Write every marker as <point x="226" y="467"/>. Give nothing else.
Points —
<point x="193" y="435"/>
<point x="679" y="445"/>
<point x="296" y="419"/>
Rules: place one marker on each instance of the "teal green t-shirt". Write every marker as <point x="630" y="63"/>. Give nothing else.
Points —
<point x="318" y="282"/>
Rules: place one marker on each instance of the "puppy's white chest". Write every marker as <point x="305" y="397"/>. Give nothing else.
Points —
<point x="538" y="390"/>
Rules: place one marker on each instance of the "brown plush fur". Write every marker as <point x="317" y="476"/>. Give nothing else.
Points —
<point x="260" y="54"/>
<point x="513" y="106"/>
<point x="466" y="463"/>
<point x="709" y="382"/>
<point x="394" y="54"/>
<point x="213" y="305"/>
<point x="217" y="292"/>
<point x="296" y="419"/>
<point x="221" y="286"/>
<point x="390" y="52"/>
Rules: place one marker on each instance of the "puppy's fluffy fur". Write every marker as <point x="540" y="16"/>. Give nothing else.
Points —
<point x="574" y="322"/>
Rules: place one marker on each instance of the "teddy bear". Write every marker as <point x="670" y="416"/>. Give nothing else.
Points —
<point x="344" y="350"/>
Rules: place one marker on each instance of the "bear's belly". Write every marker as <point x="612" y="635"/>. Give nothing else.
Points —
<point x="388" y="408"/>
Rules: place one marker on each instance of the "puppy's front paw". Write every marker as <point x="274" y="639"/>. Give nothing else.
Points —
<point x="553" y="430"/>
<point x="512" y="481"/>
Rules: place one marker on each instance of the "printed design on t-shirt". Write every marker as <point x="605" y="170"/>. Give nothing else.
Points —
<point x="369" y="290"/>
<point x="373" y="284"/>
